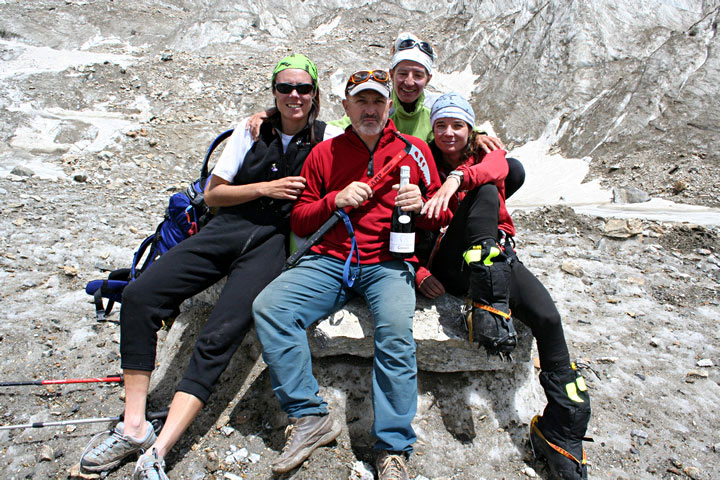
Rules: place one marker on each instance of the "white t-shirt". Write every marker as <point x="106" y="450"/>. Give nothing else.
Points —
<point x="240" y="143"/>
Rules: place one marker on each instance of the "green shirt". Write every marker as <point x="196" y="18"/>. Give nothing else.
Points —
<point x="415" y="123"/>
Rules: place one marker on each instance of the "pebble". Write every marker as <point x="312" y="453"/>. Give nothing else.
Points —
<point x="639" y="436"/>
<point x="22" y="171"/>
<point x="572" y="268"/>
<point x="236" y="455"/>
<point x="705" y="362"/>
<point x="75" y="472"/>
<point x="606" y="360"/>
<point x="692" y="374"/>
<point x="529" y="472"/>
<point x="360" y="470"/>
<point x="227" y="430"/>
<point x="692" y="472"/>
<point x="47" y="454"/>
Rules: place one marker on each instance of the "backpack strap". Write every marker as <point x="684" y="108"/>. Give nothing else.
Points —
<point x="110" y="289"/>
<point x="319" y="130"/>
<point x="205" y="170"/>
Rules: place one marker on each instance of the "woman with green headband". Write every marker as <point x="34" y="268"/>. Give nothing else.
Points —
<point x="253" y="185"/>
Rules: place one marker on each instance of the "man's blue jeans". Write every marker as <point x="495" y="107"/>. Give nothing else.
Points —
<point x="311" y="291"/>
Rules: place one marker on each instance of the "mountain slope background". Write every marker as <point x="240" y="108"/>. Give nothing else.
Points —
<point x="108" y="108"/>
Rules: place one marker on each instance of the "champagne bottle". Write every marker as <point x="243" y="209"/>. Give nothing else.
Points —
<point x="402" y="226"/>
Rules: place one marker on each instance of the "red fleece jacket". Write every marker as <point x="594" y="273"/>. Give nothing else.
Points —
<point x="334" y="164"/>
<point x="490" y="168"/>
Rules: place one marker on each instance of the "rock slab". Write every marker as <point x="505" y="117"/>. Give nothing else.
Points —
<point x="439" y="332"/>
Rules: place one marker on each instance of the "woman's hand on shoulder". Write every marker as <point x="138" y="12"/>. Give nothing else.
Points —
<point x="255" y="122"/>
<point x="286" y="188"/>
<point x="488" y="143"/>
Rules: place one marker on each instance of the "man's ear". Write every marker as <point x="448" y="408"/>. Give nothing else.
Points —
<point x="344" y="104"/>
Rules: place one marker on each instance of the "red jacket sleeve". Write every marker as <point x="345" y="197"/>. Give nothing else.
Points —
<point x="313" y="207"/>
<point x="423" y="221"/>
<point x="493" y="168"/>
<point x="421" y="274"/>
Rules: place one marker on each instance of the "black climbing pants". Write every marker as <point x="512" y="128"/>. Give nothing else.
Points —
<point x="247" y="248"/>
<point x="476" y="219"/>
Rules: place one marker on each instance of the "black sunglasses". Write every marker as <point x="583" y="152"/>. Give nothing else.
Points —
<point x="302" y="88"/>
<point x="423" y="46"/>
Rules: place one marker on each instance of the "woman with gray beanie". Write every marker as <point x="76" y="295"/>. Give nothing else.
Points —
<point x="475" y="255"/>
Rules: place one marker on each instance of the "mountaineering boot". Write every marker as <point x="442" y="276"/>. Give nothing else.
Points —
<point x="115" y="448"/>
<point x="150" y="466"/>
<point x="490" y="323"/>
<point x="557" y="436"/>
<point x="302" y="437"/>
<point x="391" y="466"/>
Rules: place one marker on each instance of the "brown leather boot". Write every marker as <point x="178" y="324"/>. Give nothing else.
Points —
<point x="391" y="466"/>
<point x="302" y="437"/>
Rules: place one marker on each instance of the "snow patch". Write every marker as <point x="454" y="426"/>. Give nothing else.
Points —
<point x="31" y="60"/>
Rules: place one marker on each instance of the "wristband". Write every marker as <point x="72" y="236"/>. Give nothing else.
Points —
<point x="458" y="175"/>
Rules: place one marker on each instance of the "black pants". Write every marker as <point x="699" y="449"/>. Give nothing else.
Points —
<point x="477" y="219"/>
<point x="250" y="252"/>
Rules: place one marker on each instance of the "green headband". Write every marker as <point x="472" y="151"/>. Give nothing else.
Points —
<point x="298" y="61"/>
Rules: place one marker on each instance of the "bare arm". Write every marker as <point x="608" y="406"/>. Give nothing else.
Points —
<point x="257" y="120"/>
<point x="220" y="193"/>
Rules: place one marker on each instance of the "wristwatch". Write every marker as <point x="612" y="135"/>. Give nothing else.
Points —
<point x="457" y="173"/>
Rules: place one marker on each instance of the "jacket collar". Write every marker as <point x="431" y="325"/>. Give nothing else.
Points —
<point x="400" y="112"/>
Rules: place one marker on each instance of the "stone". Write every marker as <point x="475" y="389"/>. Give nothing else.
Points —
<point x="22" y="171"/>
<point x="622" y="228"/>
<point x="640" y="437"/>
<point x="572" y="268"/>
<point x="439" y="333"/>
<point x="75" y="472"/>
<point x="529" y="472"/>
<point x="47" y="454"/>
<point x="705" y="362"/>
<point x="438" y="328"/>
<point x="360" y="470"/>
<point x="692" y="472"/>
<point x="629" y="195"/>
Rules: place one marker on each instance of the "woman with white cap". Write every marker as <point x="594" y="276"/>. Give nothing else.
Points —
<point x="476" y="256"/>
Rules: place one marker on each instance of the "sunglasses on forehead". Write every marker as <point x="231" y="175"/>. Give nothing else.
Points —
<point x="363" y="76"/>
<point x="424" y="47"/>
<point x="302" y="88"/>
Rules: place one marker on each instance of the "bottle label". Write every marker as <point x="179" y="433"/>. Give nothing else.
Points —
<point x="402" y="242"/>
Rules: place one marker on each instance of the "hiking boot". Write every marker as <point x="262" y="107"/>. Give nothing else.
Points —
<point x="150" y="466"/>
<point x="558" y="434"/>
<point x="490" y="324"/>
<point x="114" y="449"/>
<point x="563" y="465"/>
<point x="391" y="466"/>
<point x="302" y="437"/>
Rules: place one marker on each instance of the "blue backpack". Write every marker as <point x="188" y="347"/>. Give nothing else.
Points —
<point x="185" y="215"/>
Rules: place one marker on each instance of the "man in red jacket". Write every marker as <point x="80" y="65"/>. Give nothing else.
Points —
<point x="336" y="172"/>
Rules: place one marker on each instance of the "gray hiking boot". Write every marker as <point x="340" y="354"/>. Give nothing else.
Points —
<point x="150" y="466"/>
<point x="391" y="466"/>
<point x="302" y="437"/>
<point x="114" y="449"/>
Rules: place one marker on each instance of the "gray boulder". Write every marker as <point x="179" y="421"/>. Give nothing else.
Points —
<point x="438" y="329"/>
<point x="629" y="195"/>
